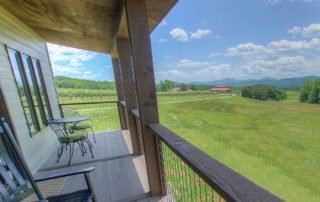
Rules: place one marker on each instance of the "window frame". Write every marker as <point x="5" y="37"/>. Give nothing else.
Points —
<point x="44" y="88"/>
<point x="29" y="99"/>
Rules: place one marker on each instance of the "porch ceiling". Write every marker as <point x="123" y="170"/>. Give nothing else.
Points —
<point x="85" y="24"/>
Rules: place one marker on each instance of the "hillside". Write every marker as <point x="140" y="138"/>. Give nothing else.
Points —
<point x="67" y="82"/>
<point x="275" y="82"/>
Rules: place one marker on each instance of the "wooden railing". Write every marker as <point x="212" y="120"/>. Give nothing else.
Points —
<point x="104" y="115"/>
<point x="191" y="174"/>
<point x="135" y="112"/>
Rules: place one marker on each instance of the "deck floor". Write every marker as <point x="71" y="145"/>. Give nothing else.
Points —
<point x="118" y="175"/>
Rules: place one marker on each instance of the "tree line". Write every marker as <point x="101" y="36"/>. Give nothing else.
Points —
<point x="67" y="82"/>
<point x="310" y="91"/>
<point x="263" y="92"/>
<point x="167" y="85"/>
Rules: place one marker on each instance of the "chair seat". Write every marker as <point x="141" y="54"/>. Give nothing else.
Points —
<point x="81" y="126"/>
<point x="78" y="196"/>
<point x="73" y="137"/>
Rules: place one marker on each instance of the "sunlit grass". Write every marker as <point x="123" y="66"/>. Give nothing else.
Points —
<point x="275" y="144"/>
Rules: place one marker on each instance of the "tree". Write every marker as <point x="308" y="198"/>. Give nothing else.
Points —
<point x="193" y="87"/>
<point x="263" y="92"/>
<point x="314" y="93"/>
<point x="183" y="87"/>
<point x="305" y="90"/>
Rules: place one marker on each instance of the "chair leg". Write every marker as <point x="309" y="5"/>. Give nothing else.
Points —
<point x="93" y="136"/>
<point x="71" y="152"/>
<point x="61" y="151"/>
<point x="90" y="147"/>
<point x="81" y="148"/>
<point x="84" y="148"/>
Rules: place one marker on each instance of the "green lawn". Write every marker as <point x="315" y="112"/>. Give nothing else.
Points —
<point x="83" y="95"/>
<point x="275" y="144"/>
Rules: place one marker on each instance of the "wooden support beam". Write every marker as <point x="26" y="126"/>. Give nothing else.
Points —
<point x="129" y="91"/>
<point x="118" y="81"/>
<point x="139" y="36"/>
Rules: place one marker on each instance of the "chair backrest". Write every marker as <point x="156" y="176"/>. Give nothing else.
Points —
<point x="59" y="129"/>
<point x="14" y="187"/>
<point x="69" y="113"/>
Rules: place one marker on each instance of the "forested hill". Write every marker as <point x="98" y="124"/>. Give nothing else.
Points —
<point x="67" y="82"/>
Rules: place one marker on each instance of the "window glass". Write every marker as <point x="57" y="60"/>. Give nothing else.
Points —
<point x="35" y="97"/>
<point x="22" y="88"/>
<point x="42" y="89"/>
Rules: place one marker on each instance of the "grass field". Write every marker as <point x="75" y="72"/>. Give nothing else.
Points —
<point x="75" y="95"/>
<point x="275" y="144"/>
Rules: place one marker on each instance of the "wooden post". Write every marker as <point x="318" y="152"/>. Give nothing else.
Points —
<point x="139" y="36"/>
<point x="129" y="90"/>
<point x="118" y="81"/>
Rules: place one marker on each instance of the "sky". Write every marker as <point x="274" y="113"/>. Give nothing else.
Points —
<point x="206" y="40"/>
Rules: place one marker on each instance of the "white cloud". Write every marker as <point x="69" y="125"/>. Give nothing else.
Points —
<point x="164" y="22"/>
<point x="91" y="76"/>
<point x="190" y="63"/>
<point x="162" y="40"/>
<point x="179" y="34"/>
<point x="274" y="49"/>
<point x="312" y="30"/>
<point x="215" y="71"/>
<point x="63" y="53"/>
<point x="296" y="66"/>
<point x="248" y="50"/>
<point x="295" y="30"/>
<point x="62" y="70"/>
<point x="69" y="61"/>
<point x="214" y="54"/>
<point x="272" y="2"/>
<point x="173" y="74"/>
<point x="200" y="33"/>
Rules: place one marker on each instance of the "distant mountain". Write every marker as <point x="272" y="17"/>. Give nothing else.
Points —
<point x="267" y="80"/>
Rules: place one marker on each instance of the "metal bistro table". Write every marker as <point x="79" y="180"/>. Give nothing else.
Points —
<point x="70" y="120"/>
<point x="67" y="136"/>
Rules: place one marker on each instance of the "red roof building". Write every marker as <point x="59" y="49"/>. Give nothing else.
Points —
<point x="222" y="89"/>
<point x="175" y="89"/>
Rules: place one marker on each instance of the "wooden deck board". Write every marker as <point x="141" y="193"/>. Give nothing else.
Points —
<point x="110" y="144"/>
<point x="118" y="175"/>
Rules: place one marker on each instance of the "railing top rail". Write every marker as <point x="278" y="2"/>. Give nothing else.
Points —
<point x="135" y="112"/>
<point x="88" y="103"/>
<point x="229" y="184"/>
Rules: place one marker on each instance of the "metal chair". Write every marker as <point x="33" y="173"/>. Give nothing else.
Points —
<point x="15" y="186"/>
<point x="69" y="139"/>
<point x="69" y="113"/>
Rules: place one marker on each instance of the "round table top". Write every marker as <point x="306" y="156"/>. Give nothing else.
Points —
<point x="69" y="120"/>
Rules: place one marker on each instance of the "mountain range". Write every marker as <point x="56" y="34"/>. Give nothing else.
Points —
<point x="267" y="80"/>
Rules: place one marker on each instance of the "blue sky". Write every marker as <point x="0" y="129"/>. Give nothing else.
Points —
<point x="205" y="40"/>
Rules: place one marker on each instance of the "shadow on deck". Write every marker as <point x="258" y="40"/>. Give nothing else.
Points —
<point x="118" y="175"/>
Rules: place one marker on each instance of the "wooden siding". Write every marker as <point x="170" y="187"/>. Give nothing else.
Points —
<point x="18" y="36"/>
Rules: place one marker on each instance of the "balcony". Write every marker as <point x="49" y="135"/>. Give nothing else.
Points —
<point x="120" y="175"/>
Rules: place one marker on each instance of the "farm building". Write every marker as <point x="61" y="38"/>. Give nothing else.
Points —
<point x="221" y="89"/>
<point x="175" y="89"/>
<point x="132" y="163"/>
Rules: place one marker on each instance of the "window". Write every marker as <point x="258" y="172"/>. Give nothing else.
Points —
<point x="42" y="88"/>
<point x="31" y="88"/>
